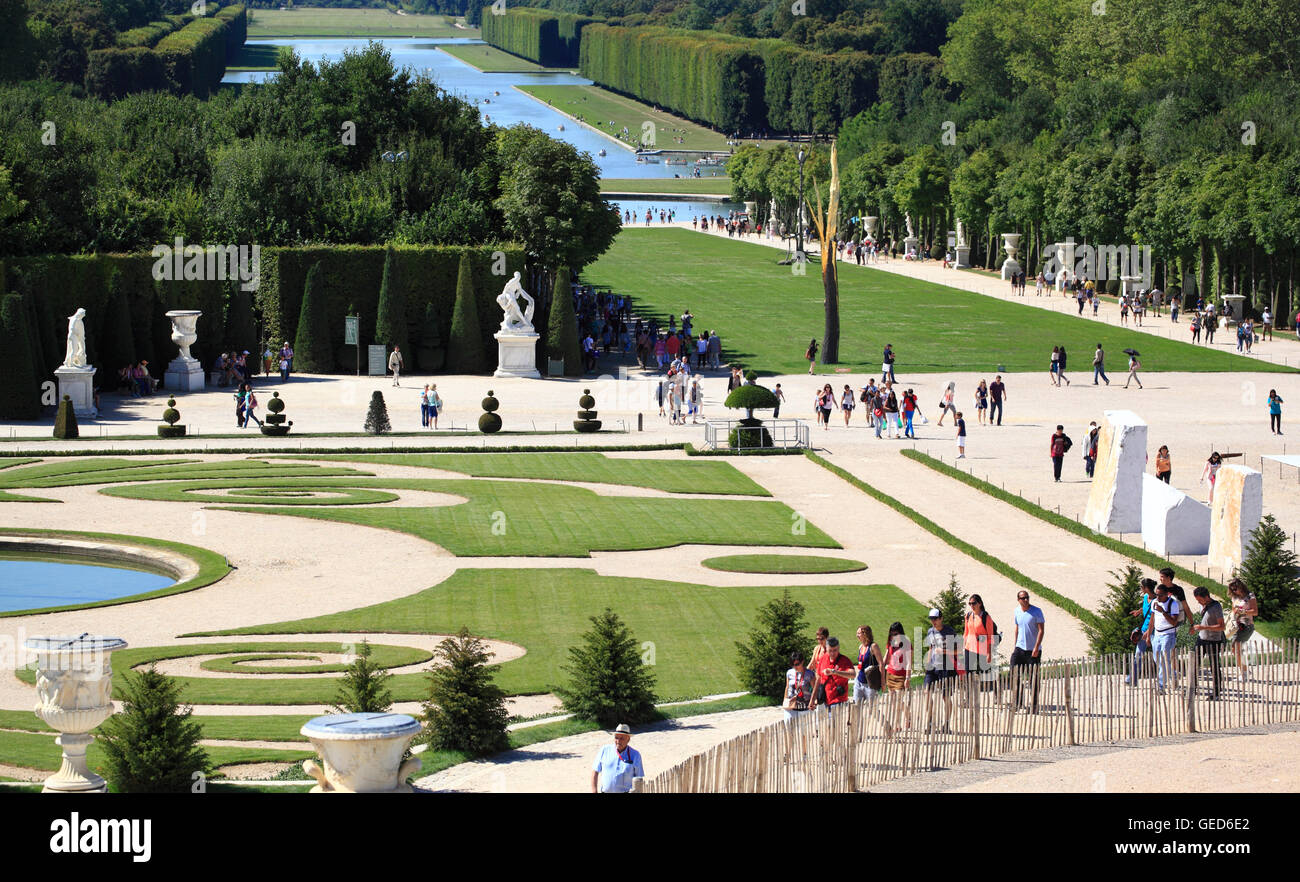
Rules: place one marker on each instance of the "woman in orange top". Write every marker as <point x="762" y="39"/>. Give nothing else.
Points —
<point x="979" y="638"/>
<point x="820" y="659"/>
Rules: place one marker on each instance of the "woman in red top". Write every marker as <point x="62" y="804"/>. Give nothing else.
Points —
<point x="980" y="637"/>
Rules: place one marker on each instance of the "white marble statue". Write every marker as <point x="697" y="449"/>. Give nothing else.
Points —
<point x="516" y="322"/>
<point x="907" y="218"/>
<point x="76" y="354"/>
<point x="961" y="233"/>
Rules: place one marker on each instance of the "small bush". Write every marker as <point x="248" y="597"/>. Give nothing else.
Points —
<point x="364" y="687"/>
<point x="152" y="745"/>
<point x="950" y="602"/>
<point x="377" y="416"/>
<point x="1270" y="570"/>
<point x="778" y="631"/>
<point x="608" y="681"/>
<point x="65" y="421"/>
<point x="466" y="710"/>
<point x="1111" y="632"/>
<point x="586" y="421"/>
<point x="488" y="421"/>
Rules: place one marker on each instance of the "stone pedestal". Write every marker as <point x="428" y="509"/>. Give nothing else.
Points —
<point x="361" y="753"/>
<point x="78" y="383"/>
<point x="184" y="375"/>
<point x="1010" y="244"/>
<point x="516" y="355"/>
<point x="1237" y="509"/>
<point x="1172" y="521"/>
<point x="74" y="689"/>
<point x="1115" y="501"/>
<point x="963" y="257"/>
<point x="909" y="245"/>
<point x="1234" y="307"/>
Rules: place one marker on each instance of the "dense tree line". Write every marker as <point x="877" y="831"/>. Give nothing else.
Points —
<point x="549" y="38"/>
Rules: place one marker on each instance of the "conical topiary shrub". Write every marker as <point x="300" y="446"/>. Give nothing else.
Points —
<point x="274" y="423"/>
<point x="465" y="353"/>
<point x="562" y="341"/>
<point x="170" y="416"/>
<point x="65" y="422"/>
<point x="377" y="416"/>
<point x="586" y="421"/>
<point x="489" y="422"/>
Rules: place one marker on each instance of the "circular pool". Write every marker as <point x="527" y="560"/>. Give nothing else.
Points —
<point x="32" y="581"/>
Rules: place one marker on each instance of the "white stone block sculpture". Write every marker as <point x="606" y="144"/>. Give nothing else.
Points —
<point x="74" y="690"/>
<point x="1237" y="509"/>
<point x="1115" y="501"/>
<point x="1172" y="521"/>
<point x="361" y="753"/>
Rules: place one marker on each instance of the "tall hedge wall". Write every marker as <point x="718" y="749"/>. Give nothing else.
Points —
<point x="549" y="38"/>
<point x="187" y="60"/>
<point x="808" y="91"/>
<point x="148" y="35"/>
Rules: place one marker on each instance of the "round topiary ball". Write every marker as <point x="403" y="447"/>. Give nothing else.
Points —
<point x="490" y="404"/>
<point x="171" y="415"/>
<point x="276" y="404"/>
<point x="489" y="423"/>
<point x="586" y="402"/>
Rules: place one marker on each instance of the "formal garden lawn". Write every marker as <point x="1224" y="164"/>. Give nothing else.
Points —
<point x="490" y="59"/>
<point x="313" y="22"/>
<point x="737" y="289"/>
<point x="670" y="475"/>
<point x="720" y="186"/>
<point x="783" y="564"/>
<point x="608" y="112"/>
<point x="255" y="56"/>
<point x="112" y="470"/>
<point x="40" y="752"/>
<point x="692" y="629"/>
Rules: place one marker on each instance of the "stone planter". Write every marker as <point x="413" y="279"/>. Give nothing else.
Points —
<point x="361" y="753"/>
<point x="1010" y="244"/>
<point x="74" y="688"/>
<point x="184" y="374"/>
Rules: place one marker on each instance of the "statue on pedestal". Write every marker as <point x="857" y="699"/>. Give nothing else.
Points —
<point x="517" y="340"/>
<point x="515" y="322"/>
<point x="76" y="354"/>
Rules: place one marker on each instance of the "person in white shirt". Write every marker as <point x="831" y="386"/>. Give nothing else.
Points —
<point x="1166" y="613"/>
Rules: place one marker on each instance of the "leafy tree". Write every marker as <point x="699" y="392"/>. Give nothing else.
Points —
<point x="608" y="681"/>
<point x="312" y="352"/>
<point x="152" y="744"/>
<point x="20" y="392"/>
<point x="778" y="631"/>
<point x="465" y="347"/>
<point x="950" y="602"/>
<point x="1111" y="633"/>
<point x="377" y="415"/>
<point x="1270" y="570"/>
<point x="364" y="687"/>
<point x="562" y="327"/>
<point x="390" y="326"/>
<point x="466" y="710"/>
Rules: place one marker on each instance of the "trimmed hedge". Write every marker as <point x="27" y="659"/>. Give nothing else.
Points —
<point x="808" y="91"/>
<point x="189" y="60"/>
<point x="548" y="38"/>
<point x="1081" y="613"/>
<point x="147" y="36"/>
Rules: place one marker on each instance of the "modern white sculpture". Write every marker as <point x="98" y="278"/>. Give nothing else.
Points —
<point x="1115" y="500"/>
<point x="1172" y="521"/>
<point x="1237" y="509"/>
<point x="184" y="374"/>
<point x="76" y="377"/>
<point x="517" y="340"/>
<point x="361" y="753"/>
<point x="74" y="691"/>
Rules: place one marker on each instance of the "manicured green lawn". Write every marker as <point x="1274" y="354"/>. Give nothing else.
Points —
<point x="692" y="628"/>
<point x="608" y="112"/>
<point x="33" y="751"/>
<point x="737" y="289"/>
<point x="490" y="59"/>
<point x="671" y="475"/>
<point x="720" y="185"/>
<point x="783" y="564"/>
<point x="246" y="663"/>
<point x="540" y="519"/>
<point x="112" y="470"/>
<point x="254" y="490"/>
<point x="256" y="56"/>
<point x="313" y="22"/>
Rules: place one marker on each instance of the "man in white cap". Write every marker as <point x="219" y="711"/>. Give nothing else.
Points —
<point x="616" y="764"/>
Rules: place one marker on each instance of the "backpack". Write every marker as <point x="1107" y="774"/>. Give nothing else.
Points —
<point x="1066" y="443"/>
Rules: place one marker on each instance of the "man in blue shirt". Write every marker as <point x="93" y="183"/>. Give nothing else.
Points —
<point x="1142" y="645"/>
<point x="1029" y="629"/>
<point x="616" y="764"/>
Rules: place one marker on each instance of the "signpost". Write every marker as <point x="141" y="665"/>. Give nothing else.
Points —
<point x="352" y="336"/>
<point x="378" y="360"/>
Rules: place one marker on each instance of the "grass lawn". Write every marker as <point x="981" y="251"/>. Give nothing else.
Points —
<point x="609" y="113"/>
<point x="692" y="629"/>
<point x="490" y="59"/>
<point x="246" y="663"/>
<point x="112" y="470"/>
<point x="783" y="564"/>
<point x="685" y="186"/>
<point x="256" y="56"/>
<point x="539" y="519"/>
<point x="737" y="288"/>
<point x="671" y="475"/>
<point x="349" y="23"/>
<point x="34" y="751"/>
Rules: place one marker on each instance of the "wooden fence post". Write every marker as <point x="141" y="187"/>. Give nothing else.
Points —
<point x="1193" y="678"/>
<point x="1069" y="705"/>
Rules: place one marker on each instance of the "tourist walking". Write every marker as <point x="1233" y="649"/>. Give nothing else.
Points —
<point x="1211" y="471"/>
<point x="395" y="365"/>
<point x="868" y="398"/>
<point x="1054" y="368"/>
<point x="981" y="401"/>
<point x="1060" y="368"/>
<point x="836" y="673"/>
<point x="1209" y="635"/>
<point x="887" y="365"/>
<point x="1166" y="613"/>
<point x="1028" y="640"/>
<point x="617" y="764"/>
<point x="997" y="395"/>
<point x="799" y="685"/>
<point x="870" y="663"/>
<point x="240" y="421"/>
<point x="940" y="661"/>
<point x="1099" y="366"/>
<point x="811" y="355"/>
<point x="1133" y="365"/>
<point x="1266" y="325"/>
<point x="780" y="399"/>
<point x="424" y="407"/>
<point x="1244" y="610"/>
<point x="1090" y="448"/>
<point x="1196" y="327"/>
<point x="945" y="403"/>
<point x="979" y="638"/>
<point x="250" y="405"/>
<point x="824" y="403"/>
<point x="1274" y="412"/>
<point x="1141" y="635"/>
<point x="893" y="421"/>
<point x="1164" y="471"/>
<point x="961" y="436"/>
<point x="820" y="654"/>
<point x="909" y="413"/>
<point x="435" y="405"/>
<point x="1060" y="446"/>
<point x="847" y="403"/>
<point x="898" y="668"/>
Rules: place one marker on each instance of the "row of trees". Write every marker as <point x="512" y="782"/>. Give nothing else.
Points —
<point x="549" y="38"/>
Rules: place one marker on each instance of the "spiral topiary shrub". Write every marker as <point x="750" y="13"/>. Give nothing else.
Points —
<point x="750" y="431"/>
<point x="586" y="421"/>
<point x="489" y="422"/>
<point x="65" y="421"/>
<point x="170" y="416"/>
<point x="274" y="423"/>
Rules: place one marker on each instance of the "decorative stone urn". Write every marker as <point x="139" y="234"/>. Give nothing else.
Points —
<point x="74" y="689"/>
<point x="1010" y="244"/>
<point x="361" y="753"/>
<point x="871" y="226"/>
<point x="184" y="374"/>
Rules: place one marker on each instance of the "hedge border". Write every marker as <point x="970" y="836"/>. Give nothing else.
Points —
<point x="1084" y="615"/>
<point x="1139" y="554"/>
<point x="514" y="448"/>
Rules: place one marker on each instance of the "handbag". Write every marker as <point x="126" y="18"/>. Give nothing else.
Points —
<point x="1230" y="625"/>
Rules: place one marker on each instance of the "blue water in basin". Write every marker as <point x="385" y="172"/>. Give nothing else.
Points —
<point x="36" y="584"/>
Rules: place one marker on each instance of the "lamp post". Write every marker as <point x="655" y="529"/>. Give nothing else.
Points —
<point x="803" y="156"/>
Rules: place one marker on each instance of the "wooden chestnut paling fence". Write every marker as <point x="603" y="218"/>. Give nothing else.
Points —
<point x="853" y="747"/>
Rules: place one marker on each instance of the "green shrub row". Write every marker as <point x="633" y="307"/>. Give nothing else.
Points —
<point x="299" y="451"/>
<point x="549" y="38"/>
<point x="1079" y="612"/>
<point x="188" y="61"/>
<point x="149" y="35"/>
<point x="808" y="91"/>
